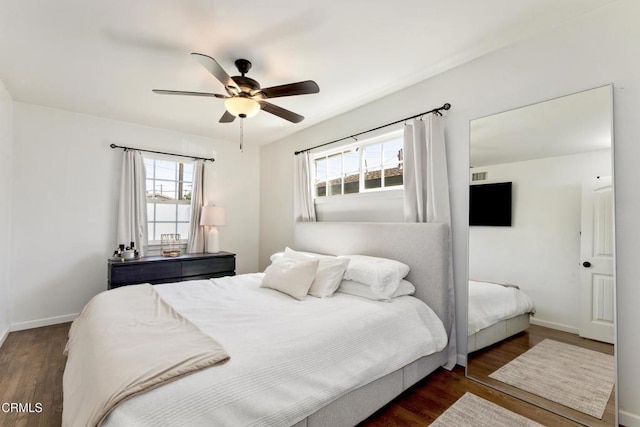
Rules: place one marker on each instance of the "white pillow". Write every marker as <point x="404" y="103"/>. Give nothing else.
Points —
<point x="329" y="274"/>
<point x="275" y="256"/>
<point x="288" y="250"/>
<point x="290" y="276"/>
<point x="361" y="290"/>
<point x="382" y="274"/>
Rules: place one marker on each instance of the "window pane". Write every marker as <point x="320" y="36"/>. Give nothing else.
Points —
<point x="351" y="174"/>
<point x="372" y="178"/>
<point x="165" y="228"/>
<point x="150" y="232"/>
<point x="351" y="161"/>
<point x="352" y="183"/>
<point x="166" y="170"/>
<point x="392" y="152"/>
<point x="183" y="230"/>
<point x="321" y="169"/>
<point x="372" y="157"/>
<point x="185" y="190"/>
<point x="150" y="207"/>
<point x="335" y="187"/>
<point x="334" y="168"/>
<point x="321" y="177"/>
<point x="165" y="212"/>
<point x="148" y="167"/>
<point x="392" y="177"/>
<point x="149" y="186"/>
<point x="165" y="190"/>
<point x="188" y="172"/>
<point x="184" y="212"/>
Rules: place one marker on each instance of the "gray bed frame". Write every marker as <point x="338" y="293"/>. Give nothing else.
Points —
<point x="422" y="246"/>
<point x="497" y="332"/>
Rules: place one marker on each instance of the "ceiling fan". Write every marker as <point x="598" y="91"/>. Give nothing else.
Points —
<point x="244" y="96"/>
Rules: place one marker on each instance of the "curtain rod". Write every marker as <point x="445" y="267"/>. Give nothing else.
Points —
<point x="435" y="110"/>
<point x="161" y="152"/>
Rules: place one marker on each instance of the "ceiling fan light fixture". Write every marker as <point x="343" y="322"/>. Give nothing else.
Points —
<point x="242" y="107"/>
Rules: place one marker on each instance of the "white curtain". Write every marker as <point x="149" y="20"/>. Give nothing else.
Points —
<point x="426" y="184"/>
<point x="132" y="209"/>
<point x="426" y="192"/>
<point x="196" y="231"/>
<point x="304" y="209"/>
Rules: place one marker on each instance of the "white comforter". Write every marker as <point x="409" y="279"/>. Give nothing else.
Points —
<point x="491" y="302"/>
<point x="288" y="358"/>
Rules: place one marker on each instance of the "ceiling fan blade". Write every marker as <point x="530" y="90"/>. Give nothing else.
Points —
<point x="227" y="117"/>
<point x="299" y="88"/>
<point x="182" y="92"/>
<point x="218" y="72"/>
<point x="280" y="112"/>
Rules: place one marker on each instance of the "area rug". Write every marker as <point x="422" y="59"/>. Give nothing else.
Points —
<point x="575" y="377"/>
<point x="473" y="411"/>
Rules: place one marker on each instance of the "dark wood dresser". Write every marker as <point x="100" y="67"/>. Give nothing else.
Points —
<point x="158" y="269"/>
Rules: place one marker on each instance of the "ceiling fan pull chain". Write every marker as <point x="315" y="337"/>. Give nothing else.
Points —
<point x="241" y="134"/>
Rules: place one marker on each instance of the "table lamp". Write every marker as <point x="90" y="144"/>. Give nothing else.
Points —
<point x="212" y="216"/>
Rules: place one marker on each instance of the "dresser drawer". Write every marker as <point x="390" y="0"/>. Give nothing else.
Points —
<point x="210" y="276"/>
<point x="199" y="267"/>
<point x="146" y="272"/>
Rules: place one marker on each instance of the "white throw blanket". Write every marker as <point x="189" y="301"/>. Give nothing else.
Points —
<point x="492" y="302"/>
<point x="124" y="342"/>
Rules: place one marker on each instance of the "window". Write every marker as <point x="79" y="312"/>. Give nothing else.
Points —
<point x="169" y="185"/>
<point x="371" y="165"/>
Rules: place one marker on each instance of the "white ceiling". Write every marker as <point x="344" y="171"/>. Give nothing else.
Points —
<point x="571" y="124"/>
<point x="103" y="57"/>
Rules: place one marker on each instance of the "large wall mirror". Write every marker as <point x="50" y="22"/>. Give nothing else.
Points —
<point x="541" y="255"/>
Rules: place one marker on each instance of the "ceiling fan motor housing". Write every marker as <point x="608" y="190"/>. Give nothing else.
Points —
<point x="246" y="84"/>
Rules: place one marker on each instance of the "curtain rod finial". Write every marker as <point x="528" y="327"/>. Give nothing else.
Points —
<point x="446" y="106"/>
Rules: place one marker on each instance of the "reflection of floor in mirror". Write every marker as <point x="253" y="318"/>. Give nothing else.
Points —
<point x="484" y="362"/>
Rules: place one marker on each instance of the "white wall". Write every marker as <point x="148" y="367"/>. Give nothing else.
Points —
<point x="383" y="206"/>
<point x="65" y="191"/>
<point x="540" y="252"/>
<point x="597" y="49"/>
<point x="6" y="148"/>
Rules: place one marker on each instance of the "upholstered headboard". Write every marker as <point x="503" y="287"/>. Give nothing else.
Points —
<point x="422" y="246"/>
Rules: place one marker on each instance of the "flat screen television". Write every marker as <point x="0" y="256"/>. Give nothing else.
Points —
<point x="490" y="204"/>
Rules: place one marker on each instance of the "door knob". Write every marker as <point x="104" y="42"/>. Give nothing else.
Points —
<point x="586" y="264"/>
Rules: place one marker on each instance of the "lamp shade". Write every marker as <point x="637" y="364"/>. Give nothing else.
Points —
<point x="242" y="107"/>
<point x="213" y="215"/>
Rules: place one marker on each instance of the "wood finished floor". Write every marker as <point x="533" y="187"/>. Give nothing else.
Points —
<point x="31" y="367"/>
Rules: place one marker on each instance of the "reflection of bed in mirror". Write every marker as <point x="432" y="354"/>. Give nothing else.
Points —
<point x="496" y="312"/>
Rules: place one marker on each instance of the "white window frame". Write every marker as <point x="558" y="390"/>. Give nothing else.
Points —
<point x="361" y="146"/>
<point x="155" y="244"/>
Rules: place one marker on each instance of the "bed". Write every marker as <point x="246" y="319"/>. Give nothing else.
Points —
<point x="496" y="312"/>
<point x="331" y="386"/>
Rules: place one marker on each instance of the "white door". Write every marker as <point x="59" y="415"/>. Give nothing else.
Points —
<point x="597" y="262"/>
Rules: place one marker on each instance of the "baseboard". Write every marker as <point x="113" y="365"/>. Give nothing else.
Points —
<point x="3" y="335"/>
<point x="38" y="323"/>
<point x="628" y="419"/>
<point x="552" y="325"/>
<point x="461" y="360"/>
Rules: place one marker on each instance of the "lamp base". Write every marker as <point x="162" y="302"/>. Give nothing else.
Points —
<point x="213" y="243"/>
